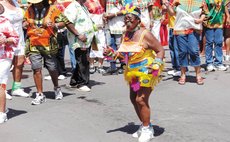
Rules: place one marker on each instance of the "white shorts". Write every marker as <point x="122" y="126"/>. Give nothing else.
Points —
<point x="5" y="65"/>
<point x="19" y="51"/>
<point x="101" y="44"/>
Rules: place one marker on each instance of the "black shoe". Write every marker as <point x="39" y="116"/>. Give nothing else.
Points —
<point x="110" y="71"/>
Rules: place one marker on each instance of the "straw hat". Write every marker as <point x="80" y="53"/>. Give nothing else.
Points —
<point x="34" y="1"/>
<point x="63" y="1"/>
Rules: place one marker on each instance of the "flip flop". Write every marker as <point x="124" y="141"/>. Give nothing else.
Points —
<point x="182" y="81"/>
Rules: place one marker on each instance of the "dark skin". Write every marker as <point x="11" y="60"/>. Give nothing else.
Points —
<point x="38" y="72"/>
<point x="140" y="99"/>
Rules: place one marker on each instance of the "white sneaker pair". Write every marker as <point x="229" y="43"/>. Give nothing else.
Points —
<point x="3" y="117"/>
<point x="144" y="134"/>
<point x="60" y="77"/>
<point x="20" y="92"/>
<point x="147" y="133"/>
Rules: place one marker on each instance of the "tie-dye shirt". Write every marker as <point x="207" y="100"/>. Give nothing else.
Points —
<point x="7" y="31"/>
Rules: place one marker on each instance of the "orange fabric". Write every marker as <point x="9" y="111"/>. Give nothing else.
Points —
<point x="39" y="36"/>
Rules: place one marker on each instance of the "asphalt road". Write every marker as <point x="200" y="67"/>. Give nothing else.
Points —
<point x="180" y="113"/>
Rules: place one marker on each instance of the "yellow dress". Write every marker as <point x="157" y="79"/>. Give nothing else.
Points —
<point x="139" y="70"/>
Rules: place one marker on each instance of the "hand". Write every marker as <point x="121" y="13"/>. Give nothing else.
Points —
<point x="104" y="17"/>
<point x="50" y="24"/>
<point x="228" y="21"/>
<point x="2" y="40"/>
<point x="109" y="16"/>
<point x="82" y="37"/>
<point x="198" y="21"/>
<point x="108" y="51"/>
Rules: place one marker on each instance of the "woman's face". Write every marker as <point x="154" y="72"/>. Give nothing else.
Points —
<point x="131" y="22"/>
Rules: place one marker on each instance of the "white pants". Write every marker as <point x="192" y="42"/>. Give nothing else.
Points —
<point x="156" y="29"/>
<point x="101" y="44"/>
<point x="5" y="65"/>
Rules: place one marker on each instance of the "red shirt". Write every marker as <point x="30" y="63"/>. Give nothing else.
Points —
<point x="94" y="7"/>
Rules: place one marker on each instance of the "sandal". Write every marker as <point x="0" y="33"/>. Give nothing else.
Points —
<point x="200" y="81"/>
<point x="182" y="81"/>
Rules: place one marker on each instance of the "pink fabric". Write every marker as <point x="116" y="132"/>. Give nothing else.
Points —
<point x="7" y="31"/>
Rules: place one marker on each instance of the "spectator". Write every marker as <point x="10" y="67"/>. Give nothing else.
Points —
<point x="80" y="36"/>
<point x="114" y="29"/>
<point x="215" y="11"/>
<point x="8" y="40"/>
<point x="227" y="33"/>
<point x="96" y="13"/>
<point x="42" y="44"/>
<point x="15" y="15"/>
<point x="186" y="28"/>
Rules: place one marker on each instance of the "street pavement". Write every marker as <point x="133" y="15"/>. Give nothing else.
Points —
<point x="179" y="113"/>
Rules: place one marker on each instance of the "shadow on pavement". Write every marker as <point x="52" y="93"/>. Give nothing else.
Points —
<point x="51" y="95"/>
<point x="13" y="113"/>
<point x="132" y="128"/>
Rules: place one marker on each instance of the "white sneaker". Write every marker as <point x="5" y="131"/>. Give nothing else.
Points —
<point x="147" y="134"/>
<point x="3" y="117"/>
<point x="84" y="88"/>
<point x="47" y="77"/>
<point x="61" y="77"/>
<point x="6" y="110"/>
<point x="171" y="72"/>
<point x="40" y="98"/>
<point x="210" y="67"/>
<point x="222" y="68"/>
<point x="137" y="133"/>
<point x="8" y="96"/>
<point x="58" y="93"/>
<point x="19" y="92"/>
<point x="227" y="58"/>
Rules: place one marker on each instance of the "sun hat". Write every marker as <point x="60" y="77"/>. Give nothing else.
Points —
<point x="34" y="1"/>
<point x="63" y="1"/>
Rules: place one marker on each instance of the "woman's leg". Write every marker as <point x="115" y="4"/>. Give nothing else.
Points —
<point x="133" y="96"/>
<point x="2" y="99"/>
<point x="142" y="101"/>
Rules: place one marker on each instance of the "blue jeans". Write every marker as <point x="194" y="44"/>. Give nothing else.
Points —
<point x="174" y="53"/>
<point x="214" y="37"/>
<point x="72" y="58"/>
<point x="188" y="46"/>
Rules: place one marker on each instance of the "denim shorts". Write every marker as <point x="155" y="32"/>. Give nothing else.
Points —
<point x="36" y="60"/>
<point x="188" y="46"/>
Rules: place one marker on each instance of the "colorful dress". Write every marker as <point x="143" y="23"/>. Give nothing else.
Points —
<point x="138" y="61"/>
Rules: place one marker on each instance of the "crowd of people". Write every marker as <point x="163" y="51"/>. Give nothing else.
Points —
<point x="132" y="32"/>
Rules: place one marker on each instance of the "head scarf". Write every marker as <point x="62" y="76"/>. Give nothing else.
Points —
<point x="131" y="9"/>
